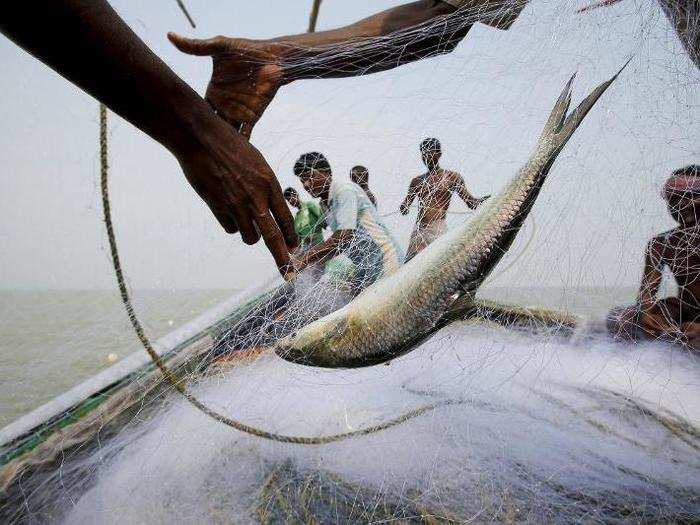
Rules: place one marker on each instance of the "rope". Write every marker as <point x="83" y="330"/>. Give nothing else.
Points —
<point x="313" y="18"/>
<point x="181" y="4"/>
<point x="169" y="376"/>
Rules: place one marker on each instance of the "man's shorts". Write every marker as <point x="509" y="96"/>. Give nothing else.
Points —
<point x="423" y="235"/>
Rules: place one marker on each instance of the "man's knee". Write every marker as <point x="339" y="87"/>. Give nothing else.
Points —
<point x="624" y="323"/>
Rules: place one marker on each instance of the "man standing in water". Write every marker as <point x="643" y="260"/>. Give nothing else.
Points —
<point x="358" y="232"/>
<point x="434" y="191"/>
<point x="360" y="176"/>
<point x="308" y="221"/>
<point x="675" y="319"/>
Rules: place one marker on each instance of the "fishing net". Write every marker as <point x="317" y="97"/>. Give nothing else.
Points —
<point x="521" y="408"/>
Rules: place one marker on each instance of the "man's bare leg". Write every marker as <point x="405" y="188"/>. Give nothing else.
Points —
<point x="248" y="73"/>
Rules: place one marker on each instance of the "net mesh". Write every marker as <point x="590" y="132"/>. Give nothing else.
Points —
<point x="539" y="417"/>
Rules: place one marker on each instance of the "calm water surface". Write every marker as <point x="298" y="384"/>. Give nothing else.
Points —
<point x="52" y="340"/>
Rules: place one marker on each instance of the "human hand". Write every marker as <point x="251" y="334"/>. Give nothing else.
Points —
<point x="246" y="76"/>
<point x="239" y="187"/>
<point x="296" y="261"/>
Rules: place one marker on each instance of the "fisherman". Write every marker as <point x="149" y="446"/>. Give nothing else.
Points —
<point x="308" y="221"/>
<point x="675" y="319"/>
<point x="358" y="232"/>
<point x="434" y="191"/>
<point x="248" y="73"/>
<point x="360" y="176"/>
<point x="89" y="44"/>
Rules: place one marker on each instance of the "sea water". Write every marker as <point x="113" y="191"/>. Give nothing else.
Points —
<point x="52" y="340"/>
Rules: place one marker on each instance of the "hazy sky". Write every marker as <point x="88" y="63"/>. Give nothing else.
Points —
<point x="486" y="102"/>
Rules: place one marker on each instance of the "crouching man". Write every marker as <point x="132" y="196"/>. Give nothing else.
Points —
<point x="358" y="232"/>
<point x="675" y="319"/>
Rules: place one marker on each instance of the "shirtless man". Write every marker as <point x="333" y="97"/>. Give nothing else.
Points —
<point x="675" y="319"/>
<point x="434" y="191"/>
<point x="360" y="176"/>
<point x="248" y="73"/>
<point x="90" y="45"/>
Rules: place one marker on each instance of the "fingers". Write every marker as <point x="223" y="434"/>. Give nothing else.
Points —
<point x="249" y="232"/>
<point x="195" y="46"/>
<point x="245" y="129"/>
<point x="274" y="241"/>
<point x="283" y="216"/>
<point x="227" y="221"/>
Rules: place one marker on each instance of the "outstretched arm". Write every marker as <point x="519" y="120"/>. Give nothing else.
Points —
<point x="328" y="249"/>
<point x="651" y="277"/>
<point x="410" y="196"/>
<point x="89" y="44"/>
<point x="654" y="322"/>
<point x="461" y="189"/>
<point x="380" y="42"/>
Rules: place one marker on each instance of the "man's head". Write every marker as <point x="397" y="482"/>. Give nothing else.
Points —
<point x="315" y="174"/>
<point x="682" y="195"/>
<point x="292" y="197"/>
<point x="360" y="176"/>
<point x="431" y="151"/>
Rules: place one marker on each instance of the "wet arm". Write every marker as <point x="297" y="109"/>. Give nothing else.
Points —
<point x="461" y="189"/>
<point x="410" y="196"/>
<point x="418" y="30"/>
<point x="651" y="278"/>
<point x="89" y="44"/>
<point x="371" y="196"/>
<point x="328" y="249"/>
<point x="647" y="295"/>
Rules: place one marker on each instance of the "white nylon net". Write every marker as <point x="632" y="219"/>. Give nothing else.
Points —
<point x="537" y="426"/>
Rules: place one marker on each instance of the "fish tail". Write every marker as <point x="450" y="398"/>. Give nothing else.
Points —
<point x="559" y="128"/>
<point x="558" y="115"/>
<point x="561" y="124"/>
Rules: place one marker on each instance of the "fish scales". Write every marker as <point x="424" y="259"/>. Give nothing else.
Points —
<point x="386" y="318"/>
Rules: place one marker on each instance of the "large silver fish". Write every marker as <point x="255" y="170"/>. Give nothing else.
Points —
<point x="391" y="316"/>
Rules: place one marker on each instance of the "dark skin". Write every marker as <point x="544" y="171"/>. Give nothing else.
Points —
<point x="248" y="73"/>
<point x="318" y="184"/>
<point x="360" y="176"/>
<point x="679" y="251"/>
<point x="292" y="199"/>
<point x="89" y="44"/>
<point x="434" y="191"/>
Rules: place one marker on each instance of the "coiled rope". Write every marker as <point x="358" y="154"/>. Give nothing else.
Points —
<point x="171" y="378"/>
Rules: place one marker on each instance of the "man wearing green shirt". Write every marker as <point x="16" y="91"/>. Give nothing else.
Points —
<point x="308" y="222"/>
